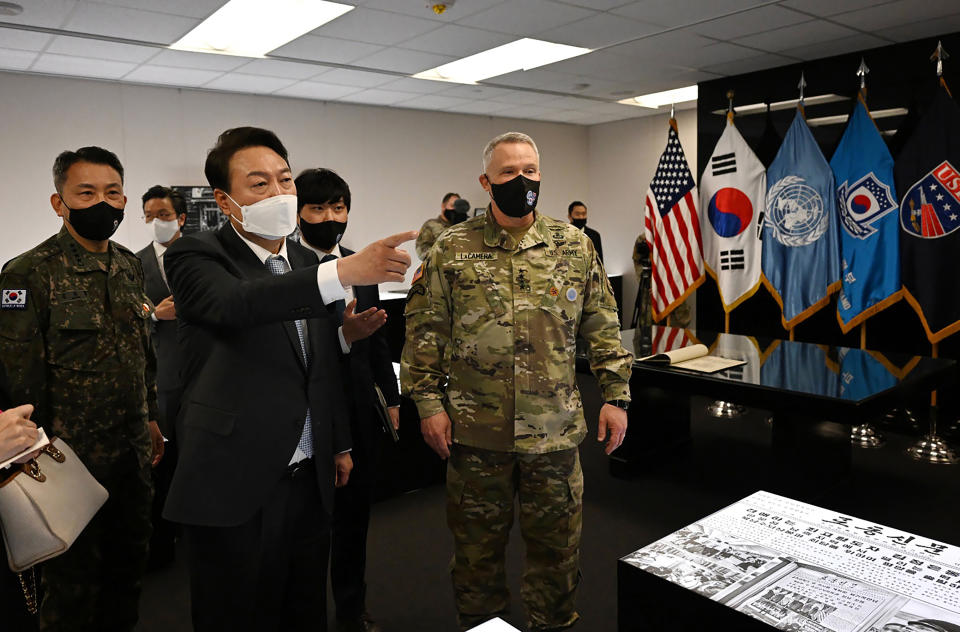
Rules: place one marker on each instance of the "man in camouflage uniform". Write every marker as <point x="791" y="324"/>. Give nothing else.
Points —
<point x="492" y="319"/>
<point x="75" y="338"/>
<point x="434" y="227"/>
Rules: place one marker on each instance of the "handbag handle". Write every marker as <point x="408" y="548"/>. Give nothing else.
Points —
<point x="32" y="467"/>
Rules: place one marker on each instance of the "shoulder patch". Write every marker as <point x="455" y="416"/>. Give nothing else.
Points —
<point x="13" y="299"/>
<point x="418" y="273"/>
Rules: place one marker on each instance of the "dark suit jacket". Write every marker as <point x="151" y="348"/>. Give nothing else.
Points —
<point x="164" y="335"/>
<point x="595" y="238"/>
<point x="246" y="388"/>
<point x="370" y="364"/>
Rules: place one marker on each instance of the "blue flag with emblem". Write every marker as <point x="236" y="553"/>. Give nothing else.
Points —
<point x="801" y="252"/>
<point x="869" y="236"/>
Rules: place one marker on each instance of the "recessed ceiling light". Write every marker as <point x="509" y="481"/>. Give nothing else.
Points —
<point x="248" y="28"/>
<point x="655" y="100"/>
<point x="523" y="54"/>
<point x="10" y="8"/>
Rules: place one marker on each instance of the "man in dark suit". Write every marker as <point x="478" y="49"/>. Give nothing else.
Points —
<point x="165" y="211"/>
<point x="263" y="429"/>
<point x="323" y="201"/>
<point x="577" y="214"/>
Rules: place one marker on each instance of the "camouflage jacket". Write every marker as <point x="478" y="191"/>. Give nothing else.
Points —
<point x="75" y="342"/>
<point x="431" y="229"/>
<point x="497" y="322"/>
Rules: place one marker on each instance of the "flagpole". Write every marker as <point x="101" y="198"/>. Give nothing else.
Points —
<point x="863" y="335"/>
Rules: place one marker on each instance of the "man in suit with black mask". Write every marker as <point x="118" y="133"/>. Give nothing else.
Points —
<point x="323" y="200"/>
<point x="264" y="429"/>
<point x="164" y="211"/>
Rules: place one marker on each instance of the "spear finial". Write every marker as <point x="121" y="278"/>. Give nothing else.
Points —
<point x="862" y="72"/>
<point x="938" y="56"/>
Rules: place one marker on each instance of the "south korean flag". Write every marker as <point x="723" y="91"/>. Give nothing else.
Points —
<point x="732" y="197"/>
<point x="13" y="299"/>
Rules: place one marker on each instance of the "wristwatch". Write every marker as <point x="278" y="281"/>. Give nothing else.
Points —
<point x="619" y="403"/>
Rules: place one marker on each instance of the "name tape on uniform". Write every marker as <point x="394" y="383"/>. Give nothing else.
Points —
<point x="476" y="256"/>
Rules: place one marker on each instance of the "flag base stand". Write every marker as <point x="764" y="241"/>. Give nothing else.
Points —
<point x="866" y="436"/>
<point x="932" y="449"/>
<point x="725" y="410"/>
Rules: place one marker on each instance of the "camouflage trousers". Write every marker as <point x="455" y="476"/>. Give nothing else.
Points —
<point x="481" y="486"/>
<point x="95" y="586"/>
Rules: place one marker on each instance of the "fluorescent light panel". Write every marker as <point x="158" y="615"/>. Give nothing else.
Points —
<point x="760" y="108"/>
<point x="253" y="28"/>
<point x="842" y="118"/>
<point x="523" y="54"/>
<point x="655" y="100"/>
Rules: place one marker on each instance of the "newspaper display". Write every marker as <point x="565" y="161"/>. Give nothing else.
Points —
<point x="803" y="568"/>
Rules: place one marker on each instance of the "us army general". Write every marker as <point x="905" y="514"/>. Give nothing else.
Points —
<point x="492" y="319"/>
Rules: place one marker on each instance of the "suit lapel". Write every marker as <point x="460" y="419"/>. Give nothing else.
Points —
<point x="155" y="285"/>
<point x="250" y="266"/>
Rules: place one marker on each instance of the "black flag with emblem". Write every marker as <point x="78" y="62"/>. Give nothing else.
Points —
<point x="928" y="175"/>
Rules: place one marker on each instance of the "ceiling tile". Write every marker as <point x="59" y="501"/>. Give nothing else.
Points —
<point x="23" y="40"/>
<point x="599" y="119"/>
<point x="420" y="9"/>
<point x="328" y="49"/>
<point x="480" y="107"/>
<point x="532" y="112"/>
<point x="375" y="27"/>
<point x="750" y="64"/>
<point x="749" y="22"/>
<point x="49" y="13"/>
<point x="474" y="91"/>
<point x="458" y="41"/>
<point x="16" y="59"/>
<point x="599" y="5"/>
<point x="723" y="52"/>
<point x="190" y="8"/>
<point x="356" y="78"/>
<point x="894" y="14"/>
<point x="285" y="69"/>
<point x="537" y="78"/>
<point x="926" y="28"/>
<point x="200" y="61"/>
<point x="378" y="97"/>
<point x="147" y="26"/>
<point x="99" y="49"/>
<point x="565" y="116"/>
<point x="570" y="103"/>
<point x="599" y="30"/>
<point x="836" y="47"/>
<point x="402" y="60"/>
<point x="416" y="86"/>
<point x="171" y="76"/>
<point x="81" y="66"/>
<point x="237" y="82"/>
<point x="316" y="90"/>
<point x="434" y="102"/>
<point x="680" y="12"/>
<point x="803" y="34"/>
<point x="825" y="8"/>
<point x="680" y="48"/>
<point x="517" y="97"/>
<point x="522" y="17"/>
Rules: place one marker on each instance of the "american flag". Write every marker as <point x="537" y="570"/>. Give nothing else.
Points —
<point x="669" y="339"/>
<point x="672" y="230"/>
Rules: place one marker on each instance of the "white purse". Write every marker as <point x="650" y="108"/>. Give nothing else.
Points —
<point x="45" y="504"/>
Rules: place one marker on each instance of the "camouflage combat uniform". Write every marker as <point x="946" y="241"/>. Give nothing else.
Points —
<point x="496" y="322"/>
<point x="77" y="347"/>
<point x="429" y="232"/>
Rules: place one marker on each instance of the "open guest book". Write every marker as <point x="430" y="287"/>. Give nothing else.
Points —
<point x="692" y="358"/>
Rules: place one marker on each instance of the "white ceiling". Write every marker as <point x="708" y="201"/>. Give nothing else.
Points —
<point x="363" y="56"/>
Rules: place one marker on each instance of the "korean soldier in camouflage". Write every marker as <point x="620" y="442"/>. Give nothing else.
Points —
<point x="434" y="227"/>
<point x="75" y="339"/>
<point x="492" y="319"/>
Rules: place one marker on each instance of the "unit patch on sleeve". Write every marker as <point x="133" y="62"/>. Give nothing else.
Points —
<point x="13" y="299"/>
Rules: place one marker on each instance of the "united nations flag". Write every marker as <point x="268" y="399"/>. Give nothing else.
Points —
<point x="801" y="254"/>
<point x="869" y="248"/>
<point x="928" y="171"/>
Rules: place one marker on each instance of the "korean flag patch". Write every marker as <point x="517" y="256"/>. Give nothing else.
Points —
<point x="13" y="299"/>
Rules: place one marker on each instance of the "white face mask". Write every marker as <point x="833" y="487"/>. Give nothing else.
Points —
<point x="164" y="230"/>
<point x="272" y="218"/>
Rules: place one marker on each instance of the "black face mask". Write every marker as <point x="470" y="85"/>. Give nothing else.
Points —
<point x="323" y="235"/>
<point x="516" y="197"/>
<point x="96" y="223"/>
<point x="454" y="216"/>
<point x="579" y="223"/>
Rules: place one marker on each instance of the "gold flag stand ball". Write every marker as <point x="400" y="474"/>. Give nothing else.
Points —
<point x="866" y="436"/>
<point x="725" y="410"/>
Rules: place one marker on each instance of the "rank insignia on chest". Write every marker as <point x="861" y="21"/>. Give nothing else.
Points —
<point x="13" y="299"/>
<point x="476" y="256"/>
